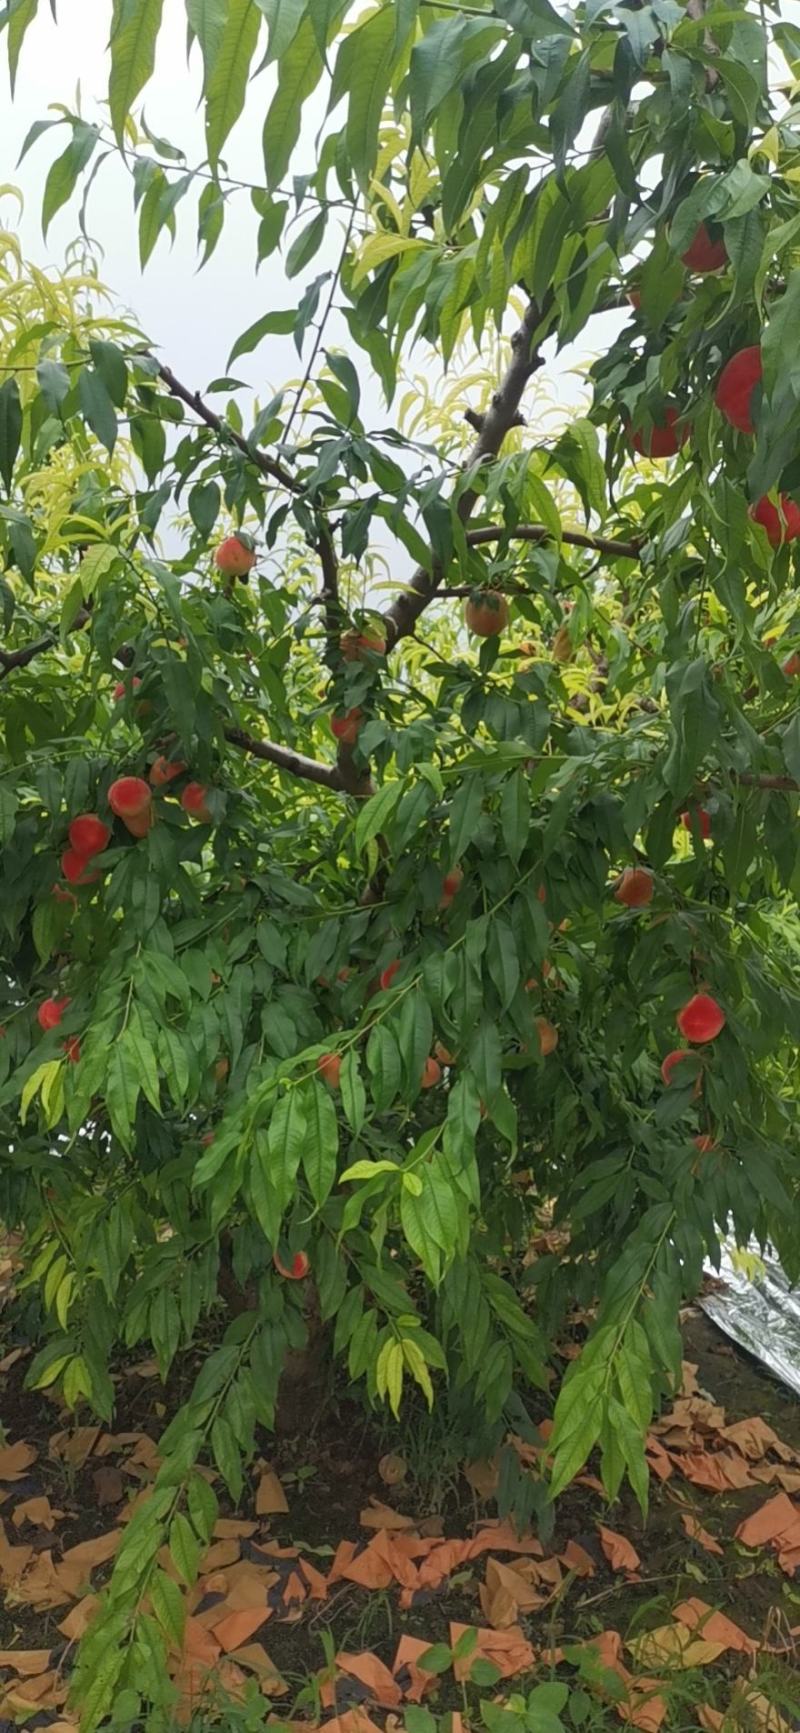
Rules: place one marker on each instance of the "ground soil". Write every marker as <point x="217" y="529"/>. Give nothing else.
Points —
<point x="330" y="1472"/>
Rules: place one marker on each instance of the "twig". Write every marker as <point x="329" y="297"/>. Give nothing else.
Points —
<point x="268" y="465"/>
<point x="320" y="327"/>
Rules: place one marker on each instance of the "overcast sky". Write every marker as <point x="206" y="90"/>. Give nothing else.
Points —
<point x="193" y="317"/>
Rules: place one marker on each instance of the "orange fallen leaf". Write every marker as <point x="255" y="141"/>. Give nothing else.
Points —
<point x="412" y="1679"/>
<point x="255" y="1658"/>
<point x="509" y="1651"/>
<point x="89" y="1554"/>
<point x="228" y="1527"/>
<point x="353" y="1721"/>
<point x="621" y="1555"/>
<point x="754" y="1438"/>
<point x="74" y="1447"/>
<point x="270" y="1496"/>
<point x="198" y="1643"/>
<point x="644" y="1707"/>
<point x="367" y="1668"/>
<point x="15" y="1459"/>
<point x="317" y="1583"/>
<point x="718" y="1471"/>
<point x="576" y="1558"/>
<point x="222" y="1553"/>
<point x="696" y="1531"/>
<point x="713" y="1625"/>
<point x="79" y="1618"/>
<point x="770" y="1522"/>
<point x="711" y="1720"/>
<point x="28" y="1662"/>
<point x="377" y="1515"/>
<point x="38" y="1511"/>
<point x="234" y="1628"/>
<point x="501" y="1537"/>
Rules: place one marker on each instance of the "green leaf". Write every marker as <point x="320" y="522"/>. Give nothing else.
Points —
<point x="203" y="1506"/>
<point x="298" y="75"/>
<point x="63" y="173"/>
<point x="21" y="16"/>
<point x="204" y="502"/>
<point x="383" y="1064"/>
<point x="110" y="364"/>
<point x="515" y="814"/>
<point x="227" y="81"/>
<point x="321" y="1142"/>
<point x="465" y="810"/>
<point x="168" y="1606"/>
<point x="185" y="1548"/>
<point x="791" y="746"/>
<point x="354" y="1099"/>
<point x="502" y="961"/>
<point x="10" y="429"/>
<point x="207" y="22"/>
<point x="285" y="1139"/>
<point x="278" y="324"/>
<point x="375" y="812"/>
<point x="98" y="408"/>
<point x="363" y="70"/>
<point x="134" y="33"/>
<point x="305" y="245"/>
<point x="284" y="18"/>
<point x="210" y="219"/>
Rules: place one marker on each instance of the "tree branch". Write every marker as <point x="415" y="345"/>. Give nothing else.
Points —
<point x="268" y="466"/>
<point x="401" y="618"/>
<point x="295" y="763"/>
<point x="753" y="779"/>
<point x="574" y="538"/>
<point x="330" y="584"/>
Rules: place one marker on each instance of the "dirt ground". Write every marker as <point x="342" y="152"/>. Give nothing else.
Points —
<point x="686" y="1551"/>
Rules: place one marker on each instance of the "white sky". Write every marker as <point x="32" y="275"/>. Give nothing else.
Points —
<point x="193" y="317"/>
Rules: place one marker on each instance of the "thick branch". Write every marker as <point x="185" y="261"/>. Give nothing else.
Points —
<point x="574" y="538"/>
<point x="752" y="779"/>
<point x="267" y="465"/>
<point x="402" y="616"/>
<point x="330" y="583"/>
<point x="295" y="763"/>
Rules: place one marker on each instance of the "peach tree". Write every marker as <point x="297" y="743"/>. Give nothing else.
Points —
<point x="357" y="928"/>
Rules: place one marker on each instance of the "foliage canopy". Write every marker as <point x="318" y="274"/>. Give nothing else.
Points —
<point x="170" y="1136"/>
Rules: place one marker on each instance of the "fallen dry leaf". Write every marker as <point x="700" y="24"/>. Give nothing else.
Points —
<point x="377" y="1515"/>
<point x="79" y="1618"/>
<point x="353" y="1721"/>
<point x="372" y="1672"/>
<point x="229" y="1527"/>
<point x="28" y="1662"/>
<point x="696" y="1531"/>
<point x="754" y="1438"/>
<point x="392" y="1468"/>
<point x="717" y="1471"/>
<point x="74" y="1447"/>
<point x="37" y="1511"/>
<point x="235" y="1628"/>
<point x="674" y="1646"/>
<point x="621" y="1555"/>
<point x="15" y="1459"/>
<point x="89" y="1554"/>
<point x="412" y="1679"/>
<point x="270" y="1496"/>
<point x="576" y="1558"/>
<point x="255" y="1658"/>
<point x="770" y="1522"/>
<point x="509" y="1651"/>
<point x="715" y="1626"/>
